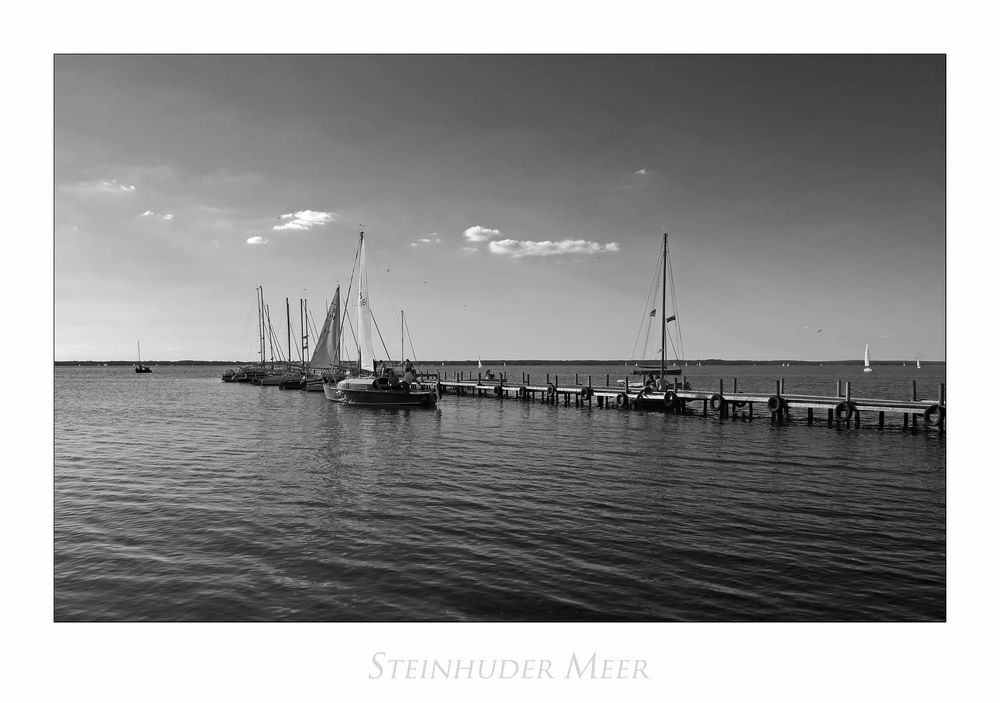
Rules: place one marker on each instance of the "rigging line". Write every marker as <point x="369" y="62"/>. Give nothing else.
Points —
<point x="388" y="357"/>
<point x="645" y="311"/>
<point x="673" y="298"/>
<point x="676" y="358"/>
<point x="272" y="338"/>
<point x="412" y="351"/>
<point x="645" y="342"/>
<point x="357" y="344"/>
<point x="378" y="269"/>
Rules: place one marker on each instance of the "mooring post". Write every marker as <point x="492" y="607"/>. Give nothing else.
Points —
<point x="829" y="417"/>
<point x="776" y="416"/>
<point x="577" y="379"/>
<point x="607" y="380"/>
<point x="940" y="394"/>
<point x="809" y="416"/>
<point x="734" y="385"/>
<point x="590" y="386"/>
<point x="546" y="379"/>
<point x="881" y="419"/>
<point x="838" y="388"/>
<point x="751" y="411"/>
<point x="529" y="379"/>
<point x="848" y="392"/>
<point x="906" y="423"/>
<point x="782" y="385"/>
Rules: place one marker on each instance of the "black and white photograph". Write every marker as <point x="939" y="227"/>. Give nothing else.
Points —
<point x="516" y="338"/>
<point x="490" y="373"/>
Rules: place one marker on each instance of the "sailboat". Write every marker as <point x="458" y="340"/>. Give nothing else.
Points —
<point x="868" y="361"/>
<point x="325" y="364"/>
<point x="480" y="362"/>
<point x="675" y="369"/>
<point x="373" y="387"/>
<point x="139" y="368"/>
<point x="918" y="362"/>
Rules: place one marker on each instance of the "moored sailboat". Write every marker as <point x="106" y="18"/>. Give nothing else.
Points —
<point x="868" y="361"/>
<point x="373" y="387"/>
<point x="664" y="369"/>
<point x="139" y="368"/>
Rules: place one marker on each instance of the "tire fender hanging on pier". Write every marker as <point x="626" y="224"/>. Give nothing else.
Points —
<point x="776" y="403"/>
<point x="498" y="390"/>
<point x="586" y="392"/>
<point x="845" y="411"/>
<point x="934" y="415"/>
<point x="716" y="402"/>
<point x="522" y="392"/>
<point x="551" y="389"/>
<point x="621" y="400"/>
<point x="669" y="400"/>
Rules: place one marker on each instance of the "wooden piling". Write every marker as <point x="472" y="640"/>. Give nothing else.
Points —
<point x="839" y="393"/>
<point x="809" y="416"/>
<point x="881" y="419"/>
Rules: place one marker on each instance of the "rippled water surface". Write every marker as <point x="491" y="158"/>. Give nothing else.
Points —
<point x="179" y="497"/>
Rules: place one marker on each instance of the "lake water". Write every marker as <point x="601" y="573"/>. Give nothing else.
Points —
<point x="179" y="497"/>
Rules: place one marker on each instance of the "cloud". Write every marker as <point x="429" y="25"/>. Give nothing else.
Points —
<point x="305" y="220"/>
<point x="432" y="238"/>
<point x="165" y="216"/>
<point x="640" y="172"/>
<point x="256" y="240"/>
<point x="481" y="234"/>
<point x="106" y="187"/>
<point x="517" y="249"/>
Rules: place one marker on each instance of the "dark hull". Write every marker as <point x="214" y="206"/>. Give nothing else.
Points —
<point x="363" y="392"/>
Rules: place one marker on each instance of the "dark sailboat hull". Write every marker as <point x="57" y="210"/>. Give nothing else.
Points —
<point x="369" y="393"/>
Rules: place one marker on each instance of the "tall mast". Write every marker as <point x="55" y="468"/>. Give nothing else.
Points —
<point x="303" y="320"/>
<point x="663" y="313"/>
<point x="270" y="334"/>
<point x="402" y="344"/>
<point x="260" y="322"/>
<point x="138" y="353"/>
<point x="288" y="326"/>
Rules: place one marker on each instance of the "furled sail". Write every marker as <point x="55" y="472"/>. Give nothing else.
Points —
<point x="327" y="353"/>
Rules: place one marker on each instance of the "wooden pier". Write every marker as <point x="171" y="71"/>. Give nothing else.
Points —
<point x="842" y="409"/>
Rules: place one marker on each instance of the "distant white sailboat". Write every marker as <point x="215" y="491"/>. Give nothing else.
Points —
<point x="868" y="361"/>
<point x="480" y="362"/>
<point x="918" y="363"/>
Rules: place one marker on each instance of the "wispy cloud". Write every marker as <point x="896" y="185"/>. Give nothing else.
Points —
<point x="105" y="187"/>
<point x="517" y="249"/>
<point x="256" y="240"/>
<point x="165" y="216"/>
<point x="305" y="220"/>
<point x="640" y="172"/>
<point x="432" y="238"/>
<point x="478" y="233"/>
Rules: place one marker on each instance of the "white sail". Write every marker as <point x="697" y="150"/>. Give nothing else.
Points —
<point x="367" y="354"/>
<point x="918" y="363"/>
<point x="327" y="353"/>
<point x="868" y="361"/>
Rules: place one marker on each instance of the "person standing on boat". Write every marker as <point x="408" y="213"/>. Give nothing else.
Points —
<point x="409" y="374"/>
<point x="488" y="375"/>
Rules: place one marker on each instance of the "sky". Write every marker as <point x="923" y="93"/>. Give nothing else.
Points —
<point x="513" y="205"/>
